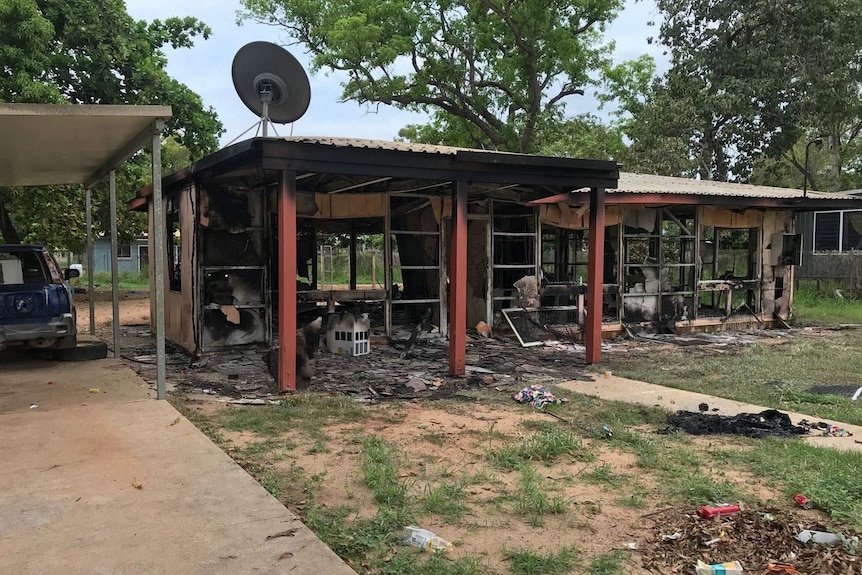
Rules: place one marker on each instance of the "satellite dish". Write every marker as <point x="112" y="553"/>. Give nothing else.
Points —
<point x="271" y="83"/>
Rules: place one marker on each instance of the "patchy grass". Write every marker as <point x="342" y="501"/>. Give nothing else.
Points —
<point x="380" y="471"/>
<point x="609" y="564"/>
<point x="445" y="499"/>
<point x="544" y="446"/>
<point x="775" y="375"/>
<point x="307" y="412"/>
<point x="505" y="471"/>
<point x="529" y="562"/>
<point x="531" y="500"/>
<point x="604" y="475"/>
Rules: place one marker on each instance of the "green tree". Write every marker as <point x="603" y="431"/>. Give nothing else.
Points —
<point x="493" y="73"/>
<point x="94" y="53"/>
<point x="751" y="79"/>
<point x="650" y="120"/>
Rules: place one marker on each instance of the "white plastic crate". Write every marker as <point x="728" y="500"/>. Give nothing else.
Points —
<point x="347" y="334"/>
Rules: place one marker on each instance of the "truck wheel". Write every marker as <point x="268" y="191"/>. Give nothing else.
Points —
<point x="85" y="351"/>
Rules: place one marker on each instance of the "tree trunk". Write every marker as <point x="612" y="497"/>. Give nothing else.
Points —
<point x="7" y="227"/>
<point x="834" y="165"/>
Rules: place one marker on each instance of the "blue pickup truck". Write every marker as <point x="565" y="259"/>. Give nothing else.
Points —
<point x="36" y="306"/>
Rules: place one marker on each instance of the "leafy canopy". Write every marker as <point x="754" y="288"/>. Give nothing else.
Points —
<point x="749" y="80"/>
<point x="493" y="73"/>
<point x="55" y="51"/>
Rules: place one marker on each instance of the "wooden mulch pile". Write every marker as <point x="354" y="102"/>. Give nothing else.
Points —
<point x="754" y="538"/>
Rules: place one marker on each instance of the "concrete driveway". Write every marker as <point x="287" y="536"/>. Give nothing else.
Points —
<point x="98" y="477"/>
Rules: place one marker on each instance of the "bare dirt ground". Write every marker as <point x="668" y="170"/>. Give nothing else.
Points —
<point x="134" y="310"/>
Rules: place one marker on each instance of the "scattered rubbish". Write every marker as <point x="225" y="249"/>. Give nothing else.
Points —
<point x="835" y="431"/>
<point x="854" y="398"/>
<point x="33" y="406"/>
<point x="52" y="383"/>
<point x="209" y="392"/>
<point x="484" y="329"/>
<point x="708" y="512"/>
<point x="703" y="407"/>
<point x="95" y="390"/>
<point x="285" y="555"/>
<point x="607" y="432"/>
<point x="766" y="423"/>
<point x="821" y="537"/>
<point x="538" y="396"/>
<point x="607" y="374"/>
<point x="673" y="537"/>
<point x="633" y="546"/>
<point x="137" y="484"/>
<point x="174" y="422"/>
<point x="253" y="401"/>
<point x="288" y="533"/>
<point x="424" y="539"/>
<point x="729" y="568"/>
<point x="417" y="384"/>
<point x="749" y="536"/>
<point x="803" y="501"/>
<point x="781" y="568"/>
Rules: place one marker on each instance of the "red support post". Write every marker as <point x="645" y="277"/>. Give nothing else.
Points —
<point x="287" y="281"/>
<point x="595" y="275"/>
<point x="458" y="282"/>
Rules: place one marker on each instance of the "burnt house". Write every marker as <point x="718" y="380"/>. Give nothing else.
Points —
<point x="514" y="240"/>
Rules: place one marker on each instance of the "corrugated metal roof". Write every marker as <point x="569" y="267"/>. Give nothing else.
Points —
<point x="375" y="145"/>
<point x="385" y="145"/>
<point x="647" y="184"/>
<point x="628" y="182"/>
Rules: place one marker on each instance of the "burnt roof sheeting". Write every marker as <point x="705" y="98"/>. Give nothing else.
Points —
<point x="379" y="166"/>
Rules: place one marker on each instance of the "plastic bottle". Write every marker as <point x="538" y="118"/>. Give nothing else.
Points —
<point x="424" y="539"/>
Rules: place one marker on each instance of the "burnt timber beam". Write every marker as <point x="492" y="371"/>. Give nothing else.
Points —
<point x="458" y="282"/>
<point x="595" y="272"/>
<point x="287" y="281"/>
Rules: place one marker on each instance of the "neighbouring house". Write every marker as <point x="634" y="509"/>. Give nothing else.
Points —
<point x="131" y="257"/>
<point x="832" y="243"/>
<point x="537" y="244"/>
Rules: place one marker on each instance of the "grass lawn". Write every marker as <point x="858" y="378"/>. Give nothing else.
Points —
<point x="773" y="374"/>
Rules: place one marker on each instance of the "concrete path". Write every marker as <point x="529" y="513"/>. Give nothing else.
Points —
<point x="633" y="391"/>
<point x="115" y="482"/>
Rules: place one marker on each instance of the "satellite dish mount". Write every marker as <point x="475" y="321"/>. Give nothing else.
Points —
<point x="271" y="83"/>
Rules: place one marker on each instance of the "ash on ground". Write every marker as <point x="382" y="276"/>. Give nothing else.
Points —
<point x="383" y="374"/>
<point x="770" y="422"/>
<point x="390" y="373"/>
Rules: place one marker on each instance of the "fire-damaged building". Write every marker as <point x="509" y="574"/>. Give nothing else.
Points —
<point x="517" y="241"/>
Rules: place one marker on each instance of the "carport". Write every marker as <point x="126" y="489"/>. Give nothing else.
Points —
<point x="49" y="145"/>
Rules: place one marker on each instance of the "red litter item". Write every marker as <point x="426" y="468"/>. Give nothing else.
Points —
<point x="803" y="501"/>
<point x="708" y="512"/>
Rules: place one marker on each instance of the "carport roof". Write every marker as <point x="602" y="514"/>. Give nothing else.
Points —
<point x="49" y="144"/>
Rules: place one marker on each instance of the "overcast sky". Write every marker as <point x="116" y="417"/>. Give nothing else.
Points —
<point x="206" y="70"/>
